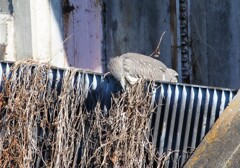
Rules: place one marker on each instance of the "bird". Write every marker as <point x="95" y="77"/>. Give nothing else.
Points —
<point x="130" y="67"/>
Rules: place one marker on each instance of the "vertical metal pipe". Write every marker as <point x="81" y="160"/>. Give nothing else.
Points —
<point x="196" y="120"/>
<point x="158" y="115"/>
<point x="173" y="118"/>
<point x="204" y="123"/>
<point x="223" y="101"/>
<point x="188" y="125"/>
<point x="180" y="124"/>
<point x="214" y="108"/>
<point x="165" y="120"/>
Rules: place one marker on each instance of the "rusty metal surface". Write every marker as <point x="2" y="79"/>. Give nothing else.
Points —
<point x="83" y="33"/>
<point x="214" y="40"/>
<point x="133" y="26"/>
<point x="205" y="43"/>
<point x="183" y="116"/>
<point x="221" y="146"/>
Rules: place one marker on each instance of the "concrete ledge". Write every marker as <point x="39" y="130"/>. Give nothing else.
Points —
<point x="221" y="146"/>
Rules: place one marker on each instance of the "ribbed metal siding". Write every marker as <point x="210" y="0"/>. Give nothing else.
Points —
<point x="183" y="116"/>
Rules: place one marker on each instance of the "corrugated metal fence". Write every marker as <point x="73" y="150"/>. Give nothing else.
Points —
<point x="183" y="115"/>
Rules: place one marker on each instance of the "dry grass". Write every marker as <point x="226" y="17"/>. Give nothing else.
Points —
<point x="40" y="127"/>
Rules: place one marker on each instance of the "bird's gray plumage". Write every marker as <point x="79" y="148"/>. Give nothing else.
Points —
<point x="130" y="67"/>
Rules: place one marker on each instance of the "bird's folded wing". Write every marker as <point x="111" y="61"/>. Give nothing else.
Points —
<point x="142" y="67"/>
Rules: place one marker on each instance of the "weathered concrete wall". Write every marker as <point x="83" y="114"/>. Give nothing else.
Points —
<point x="6" y="6"/>
<point x="133" y="26"/>
<point x="215" y="42"/>
<point x="22" y="26"/>
<point x="32" y="29"/>
<point x="7" y="49"/>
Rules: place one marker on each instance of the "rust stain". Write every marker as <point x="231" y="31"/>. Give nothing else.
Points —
<point x="212" y="136"/>
<point x="67" y="7"/>
<point x="198" y="154"/>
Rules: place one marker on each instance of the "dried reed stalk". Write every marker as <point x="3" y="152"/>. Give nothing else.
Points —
<point x="41" y="127"/>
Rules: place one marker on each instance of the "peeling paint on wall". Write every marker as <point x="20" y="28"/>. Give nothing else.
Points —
<point x="83" y="31"/>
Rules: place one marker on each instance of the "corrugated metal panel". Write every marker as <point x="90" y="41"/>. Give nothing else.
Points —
<point x="183" y="115"/>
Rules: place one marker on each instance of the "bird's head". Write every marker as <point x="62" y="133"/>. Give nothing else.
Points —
<point x="115" y="66"/>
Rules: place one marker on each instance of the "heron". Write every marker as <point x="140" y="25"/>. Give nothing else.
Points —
<point x="130" y="67"/>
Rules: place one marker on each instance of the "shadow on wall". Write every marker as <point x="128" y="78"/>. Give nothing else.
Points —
<point x="58" y="25"/>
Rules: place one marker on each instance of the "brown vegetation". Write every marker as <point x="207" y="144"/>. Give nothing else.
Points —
<point x="41" y="127"/>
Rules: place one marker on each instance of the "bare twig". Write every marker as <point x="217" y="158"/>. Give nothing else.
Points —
<point x="156" y="53"/>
